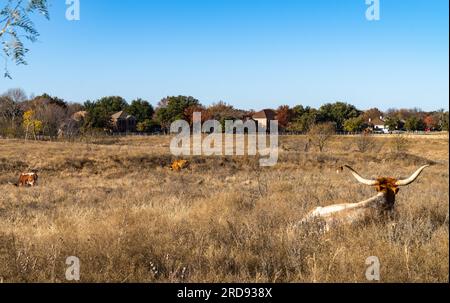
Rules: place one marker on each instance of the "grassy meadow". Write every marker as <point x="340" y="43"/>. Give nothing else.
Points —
<point x="115" y="205"/>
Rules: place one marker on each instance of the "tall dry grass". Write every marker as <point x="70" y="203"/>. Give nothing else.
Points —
<point x="118" y="208"/>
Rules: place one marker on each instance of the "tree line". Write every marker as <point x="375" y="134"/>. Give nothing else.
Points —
<point x="30" y="117"/>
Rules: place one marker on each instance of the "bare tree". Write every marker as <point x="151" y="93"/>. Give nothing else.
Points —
<point x="69" y="129"/>
<point x="320" y="134"/>
<point x="10" y="116"/>
<point x="52" y="112"/>
<point x="17" y="95"/>
<point x="52" y="117"/>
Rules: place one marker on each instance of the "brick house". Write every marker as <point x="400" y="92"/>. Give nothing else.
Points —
<point x="122" y="122"/>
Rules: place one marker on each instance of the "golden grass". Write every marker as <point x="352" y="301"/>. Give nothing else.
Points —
<point x="117" y="206"/>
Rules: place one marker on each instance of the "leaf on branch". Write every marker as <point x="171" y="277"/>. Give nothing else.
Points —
<point x="16" y="23"/>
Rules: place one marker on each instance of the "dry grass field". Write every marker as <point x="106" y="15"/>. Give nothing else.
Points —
<point x="115" y="205"/>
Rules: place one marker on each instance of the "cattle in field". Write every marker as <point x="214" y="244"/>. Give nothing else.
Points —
<point x="179" y="165"/>
<point x="27" y="179"/>
<point x="348" y="213"/>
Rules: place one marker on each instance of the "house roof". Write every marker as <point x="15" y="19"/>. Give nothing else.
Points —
<point x="78" y="116"/>
<point x="377" y="121"/>
<point x="122" y="115"/>
<point x="265" y="114"/>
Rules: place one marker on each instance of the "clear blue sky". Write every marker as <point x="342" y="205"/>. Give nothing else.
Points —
<point x="250" y="53"/>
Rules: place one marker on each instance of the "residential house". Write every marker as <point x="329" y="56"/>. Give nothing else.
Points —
<point x="122" y="122"/>
<point x="378" y="124"/>
<point x="264" y="117"/>
<point x="79" y="116"/>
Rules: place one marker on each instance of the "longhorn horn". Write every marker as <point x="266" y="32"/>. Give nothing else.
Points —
<point x="412" y="178"/>
<point x="361" y="179"/>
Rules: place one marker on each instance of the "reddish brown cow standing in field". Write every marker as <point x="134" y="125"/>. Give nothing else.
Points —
<point x="27" y="179"/>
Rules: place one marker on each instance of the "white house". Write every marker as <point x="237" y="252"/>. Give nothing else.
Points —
<point x="379" y="124"/>
<point x="264" y="117"/>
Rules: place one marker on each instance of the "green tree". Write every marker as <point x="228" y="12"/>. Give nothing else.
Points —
<point x="338" y="113"/>
<point x="142" y="110"/>
<point x="171" y="109"/>
<point x="297" y="111"/>
<point x="304" y="123"/>
<point x="100" y="111"/>
<point x="303" y="118"/>
<point x="392" y="123"/>
<point x="354" y="125"/>
<point x="414" y="123"/>
<point x="16" y="25"/>
<point x="146" y="126"/>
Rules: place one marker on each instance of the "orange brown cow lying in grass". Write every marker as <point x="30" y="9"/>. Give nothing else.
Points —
<point x="349" y="213"/>
<point x="179" y="165"/>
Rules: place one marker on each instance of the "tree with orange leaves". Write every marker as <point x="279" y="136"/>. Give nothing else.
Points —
<point x="284" y="116"/>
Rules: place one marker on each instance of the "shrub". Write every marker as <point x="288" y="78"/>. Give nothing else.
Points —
<point x="365" y="142"/>
<point x="320" y="134"/>
<point x="400" y="144"/>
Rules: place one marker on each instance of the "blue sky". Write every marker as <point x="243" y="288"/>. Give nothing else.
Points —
<point x="250" y="53"/>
